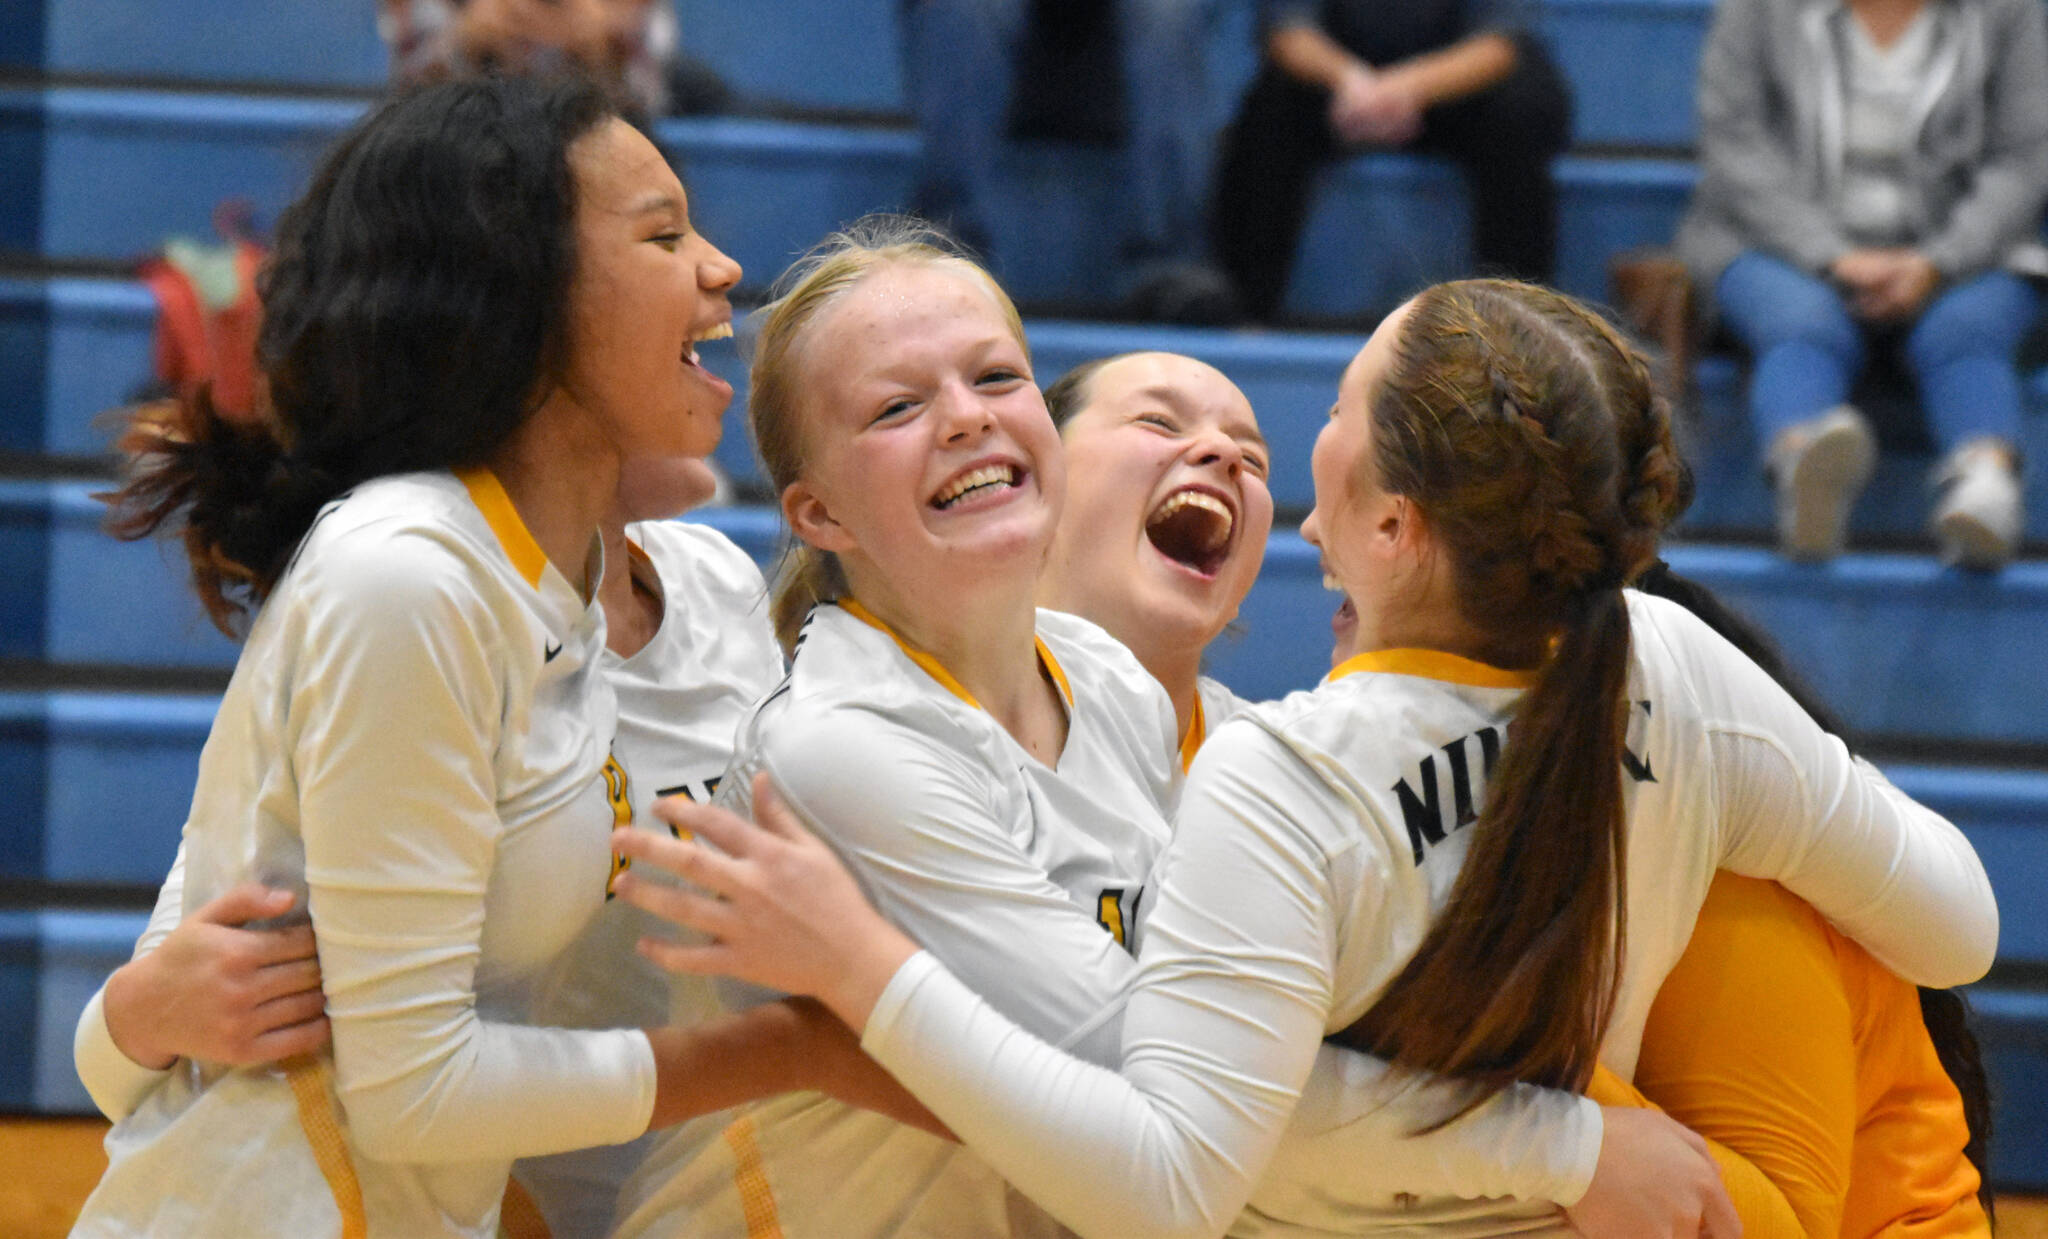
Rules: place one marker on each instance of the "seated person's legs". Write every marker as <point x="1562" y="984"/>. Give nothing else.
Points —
<point x="1805" y="351"/>
<point x="1963" y="354"/>
<point x="1164" y="49"/>
<point x="1270" y="155"/>
<point x="960" y="70"/>
<point x="1505" y="139"/>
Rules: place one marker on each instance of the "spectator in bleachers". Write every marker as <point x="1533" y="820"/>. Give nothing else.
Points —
<point x="961" y="67"/>
<point x="1869" y="168"/>
<point x="1462" y="78"/>
<point x="630" y="46"/>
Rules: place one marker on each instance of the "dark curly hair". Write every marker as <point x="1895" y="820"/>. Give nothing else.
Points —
<point x="415" y="314"/>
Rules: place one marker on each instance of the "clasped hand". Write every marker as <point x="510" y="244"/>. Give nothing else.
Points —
<point x="1885" y="285"/>
<point x="1368" y="107"/>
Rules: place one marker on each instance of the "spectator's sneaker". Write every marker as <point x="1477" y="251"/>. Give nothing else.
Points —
<point x="1980" y="513"/>
<point x="1819" y="466"/>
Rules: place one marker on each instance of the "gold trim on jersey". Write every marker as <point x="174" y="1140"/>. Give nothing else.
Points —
<point x="1434" y="665"/>
<point x="312" y="1081"/>
<point x="488" y="494"/>
<point x="937" y="670"/>
<point x="757" y="1197"/>
<point x="1191" y="739"/>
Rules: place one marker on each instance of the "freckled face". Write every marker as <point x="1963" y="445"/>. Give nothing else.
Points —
<point x="929" y="456"/>
<point x="1168" y="510"/>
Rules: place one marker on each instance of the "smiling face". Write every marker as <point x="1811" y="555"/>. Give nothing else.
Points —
<point x="929" y="464"/>
<point x="1358" y="526"/>
<point x="647" y="288"/>
<point x="1167" y="508"/>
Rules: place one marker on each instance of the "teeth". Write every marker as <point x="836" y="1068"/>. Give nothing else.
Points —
<point x="987" y="475"/>
<point x="716" y="331"/>
<point x="1204" y="501"/>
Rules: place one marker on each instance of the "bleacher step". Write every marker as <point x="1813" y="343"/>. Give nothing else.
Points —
<point x="1900" y="645"/>
<point x="78" y="347"/>
<point x="1631" y="63"/>
<point x="109" y="174"/>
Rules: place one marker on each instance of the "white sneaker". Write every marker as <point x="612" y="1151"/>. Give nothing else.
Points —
<point x="1980" y="514"/>
<point x="1819" y="467"/>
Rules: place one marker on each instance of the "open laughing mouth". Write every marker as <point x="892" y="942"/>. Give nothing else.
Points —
<point x="716" y="331"/>
<point x="977" y="483"/>
<point x="1192" y="527"/>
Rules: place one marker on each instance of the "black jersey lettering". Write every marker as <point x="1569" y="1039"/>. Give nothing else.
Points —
<point x="1424" y="814"/>
<point x="1461" y="784"/>
<point x="699" y="792"/>
<point x="1430" y="821"/>
<point x="1421" y="800"/>
<point x="1638" y="768"/>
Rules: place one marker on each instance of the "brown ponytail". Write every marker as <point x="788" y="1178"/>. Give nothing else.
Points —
<point x="237" y="499"/>
<point x="775" y="413"/>
<point x="1528" y="434"/>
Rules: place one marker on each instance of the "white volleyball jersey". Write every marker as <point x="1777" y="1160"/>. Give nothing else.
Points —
<point x="414" y="739"/>
<point x="681" y="698"/>
<point x="1318" y="839"/>
<point x="1022" y="876"/>
<point x="1215" y="705"/>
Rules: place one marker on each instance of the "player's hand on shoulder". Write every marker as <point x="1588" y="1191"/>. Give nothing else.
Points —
<point x="779" y="908"/>
<point x="1654" y="1180"/>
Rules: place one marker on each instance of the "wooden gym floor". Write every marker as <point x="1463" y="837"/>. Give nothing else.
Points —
<point x="47" y="1166"/>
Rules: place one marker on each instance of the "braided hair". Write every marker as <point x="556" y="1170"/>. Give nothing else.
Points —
<point x="1528" y="432"/>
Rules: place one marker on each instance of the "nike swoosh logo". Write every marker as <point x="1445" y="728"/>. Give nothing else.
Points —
<point x="549" y="650"/>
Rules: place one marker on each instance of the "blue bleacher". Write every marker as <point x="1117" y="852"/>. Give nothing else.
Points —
<point x="1630" y="62"/>
<point x="123" y="122"/>
<point x="1894" y="641"/>
<point x="82" y="346"/>
<point x="109" y="174"/>
<point x="51" y="961"/>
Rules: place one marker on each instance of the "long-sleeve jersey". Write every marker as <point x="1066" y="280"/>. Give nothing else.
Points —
<point x="1025" y="877"/>
<point x="414" y="739"/>
<point x="1022" y="874"/>
<point x="680" y="698"/>
<point x="1318" y="839"/>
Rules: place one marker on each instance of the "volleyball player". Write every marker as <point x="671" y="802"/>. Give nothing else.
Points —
<point x="1166" y="518"/>
<point x="1495" y="469"/>
<point x="486" y="302"/>
<point x="1822" y="1076"/>
<point x="997" y="776"/>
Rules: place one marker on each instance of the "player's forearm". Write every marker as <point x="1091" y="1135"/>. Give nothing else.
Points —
<point x="780" y="1047"/>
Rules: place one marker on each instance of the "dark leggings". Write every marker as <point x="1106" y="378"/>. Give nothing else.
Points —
<point x="1503" y="138"/>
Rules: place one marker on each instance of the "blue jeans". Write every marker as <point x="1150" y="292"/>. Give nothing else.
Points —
<point x="1807" y="349"/>
<point x="960" y="67"/>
